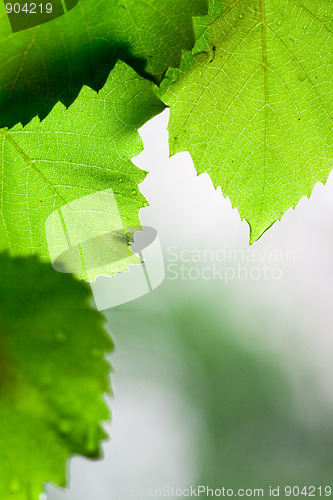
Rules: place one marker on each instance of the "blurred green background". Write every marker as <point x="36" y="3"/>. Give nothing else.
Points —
<point x="199" y="399"/>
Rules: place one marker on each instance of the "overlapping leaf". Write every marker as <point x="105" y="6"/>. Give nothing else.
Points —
<point x="52" y="376"/>
<point x="256" y="109"/>
<point x="42" y="65"/>
<point x="70" y="155"/>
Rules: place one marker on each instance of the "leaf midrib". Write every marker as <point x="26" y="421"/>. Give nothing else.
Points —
<point x="265" y="68"/>
<point x="262" y="5"/>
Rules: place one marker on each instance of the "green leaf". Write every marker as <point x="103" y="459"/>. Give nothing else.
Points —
<point x="65" y="158"/>
<point x="42" y="65"/>
<point x="52" y="376"/>
<point x="255" y="111"/>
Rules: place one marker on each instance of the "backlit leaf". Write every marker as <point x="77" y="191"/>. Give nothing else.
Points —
<point x="255" y="110"/>
<point x="69" y="156"/>
<point x="50" y="62"/>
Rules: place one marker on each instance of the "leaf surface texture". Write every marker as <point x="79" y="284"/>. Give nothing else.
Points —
<point x="70" y="155"/>
<point x="50" y="62"/>
<point x="254" y="104"/>
<point x="52" y="376"/>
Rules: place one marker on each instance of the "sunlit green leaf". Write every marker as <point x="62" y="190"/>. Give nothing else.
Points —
<point x="44" y="64"/>
<point x="68" y="156"/>
<point x="255" y="111"/>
